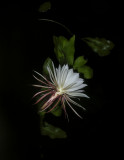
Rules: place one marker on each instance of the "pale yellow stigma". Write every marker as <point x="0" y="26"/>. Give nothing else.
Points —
<point x="60" y="90"/>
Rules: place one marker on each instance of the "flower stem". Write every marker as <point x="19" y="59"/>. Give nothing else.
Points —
<point x="62" y="25"/>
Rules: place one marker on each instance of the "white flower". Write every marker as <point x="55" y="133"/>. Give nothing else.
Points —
<point x="64" y="85"/>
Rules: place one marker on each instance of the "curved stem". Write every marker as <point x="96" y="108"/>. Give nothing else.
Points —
<point x="62" y="25"/>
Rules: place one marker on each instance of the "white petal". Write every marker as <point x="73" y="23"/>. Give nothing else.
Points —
<point x="78" y="83"/>
<point x="59" y="75"/>
<point x="74" y="77"/>
<point x="70" y="72"/>
<point x="64" y="73"/>
<point x="68" y="81"/>
<point x="64" y="78"/>
<point x="51" y="75"/>
<point x="78" y="91"/>
<point x="77" y="94"/>
<point x="54" y="72"/>
<point x="71" y="78"/>
<point x="76" y="88"/>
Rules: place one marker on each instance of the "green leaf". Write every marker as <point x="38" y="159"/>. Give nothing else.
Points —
<point x="47" y="62"/>
<point x="57" y="111"/>
<point x="64" y="49"/>
<point x="79" y="62"/>
<point x="52" y="131"/>
<point x="99" y="45"/>
<point x="42" y="113"/>
<point x="44" y="7"/>
<point x="87" y="71"/>
<point x="57" y="49"/>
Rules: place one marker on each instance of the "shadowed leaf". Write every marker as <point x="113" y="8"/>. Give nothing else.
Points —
<point x="99" y="45"/>
<point x="44" y="7"/>
<point x="57" y="111"/>
<point x="52" y="131"/>
<point x="47" y="62"/>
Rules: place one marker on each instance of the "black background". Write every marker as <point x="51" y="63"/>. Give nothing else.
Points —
<point x="25" y="42"/>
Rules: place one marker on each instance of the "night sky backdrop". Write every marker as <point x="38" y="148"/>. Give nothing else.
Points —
<point x="25" y="43"/>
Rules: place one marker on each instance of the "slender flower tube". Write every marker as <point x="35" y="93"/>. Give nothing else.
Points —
<point x="63" y="86"/>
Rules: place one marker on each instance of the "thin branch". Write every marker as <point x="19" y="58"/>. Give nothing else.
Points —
<point x="62" y="25"/>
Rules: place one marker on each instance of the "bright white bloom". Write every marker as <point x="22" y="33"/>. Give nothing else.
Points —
<point x="64" y="85"/>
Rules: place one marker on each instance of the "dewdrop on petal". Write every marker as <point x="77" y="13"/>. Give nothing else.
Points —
<point x="63" y="86"/>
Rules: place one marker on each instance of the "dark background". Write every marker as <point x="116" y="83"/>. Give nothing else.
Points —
<point x="25" y="42"/>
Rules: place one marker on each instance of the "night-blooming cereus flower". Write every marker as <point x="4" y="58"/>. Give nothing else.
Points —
<point x="63" y="86"/>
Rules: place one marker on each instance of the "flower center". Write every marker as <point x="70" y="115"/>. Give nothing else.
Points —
<point x="61" y="91"/>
